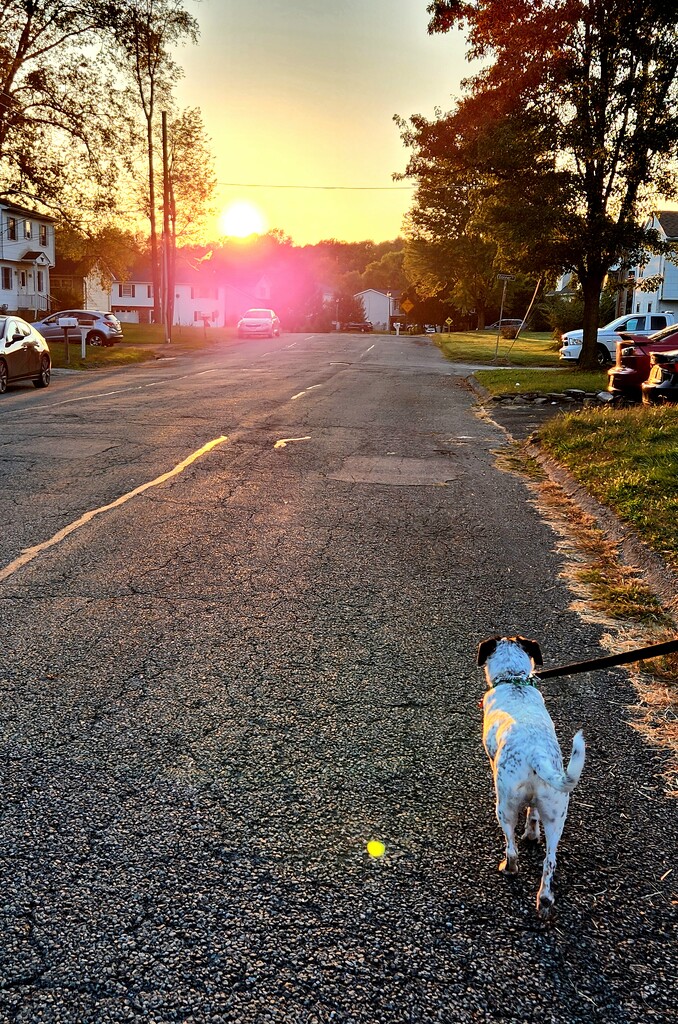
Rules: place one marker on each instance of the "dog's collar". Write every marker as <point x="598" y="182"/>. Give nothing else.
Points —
<point x="521" y="680"/>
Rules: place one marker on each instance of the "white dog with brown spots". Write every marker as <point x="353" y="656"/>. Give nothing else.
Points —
<point x="522" y="746"/>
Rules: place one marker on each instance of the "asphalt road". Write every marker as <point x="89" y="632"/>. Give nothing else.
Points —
<point x="238" y="645"/>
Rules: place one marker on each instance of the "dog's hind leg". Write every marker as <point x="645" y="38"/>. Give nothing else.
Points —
<point x="507" y="816"/>
<point x="553" y="824"/>
<point x="532" y="825"/>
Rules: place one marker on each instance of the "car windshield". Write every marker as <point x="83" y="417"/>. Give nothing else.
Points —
<point x="259" y="312"/>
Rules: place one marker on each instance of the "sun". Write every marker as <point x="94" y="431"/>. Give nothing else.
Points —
<point x="242" y="218"/>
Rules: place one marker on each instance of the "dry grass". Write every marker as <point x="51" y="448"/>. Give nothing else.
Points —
<point x="613" y="594"/>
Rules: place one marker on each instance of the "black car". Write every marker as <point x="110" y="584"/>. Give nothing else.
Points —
<point x="363" y="326"/>
<point x="662" y="384"/>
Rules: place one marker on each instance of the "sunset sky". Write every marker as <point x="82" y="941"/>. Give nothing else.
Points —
<point x="303" y="93"/>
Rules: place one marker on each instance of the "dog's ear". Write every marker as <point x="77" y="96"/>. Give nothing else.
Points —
<point x="532" y="648"/>
<point x="486" y="648"/>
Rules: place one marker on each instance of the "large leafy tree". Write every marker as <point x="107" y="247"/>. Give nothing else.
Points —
<point x="60" y="138"/>
<point x="572" y="122"/>
<point x="148" y="32"/>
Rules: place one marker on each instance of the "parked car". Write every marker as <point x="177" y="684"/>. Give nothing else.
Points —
<point x="362" y="326"/>
<point x="504" y="322"/>
<point x="258" y="322"/>
<point x="608" y="336"/>
<point x="102" y="328"/>
<point x="429" y="328"/>
<point x="662" y="384"/>
<point x="24" y="354"/>
<point x="633" y="363"/>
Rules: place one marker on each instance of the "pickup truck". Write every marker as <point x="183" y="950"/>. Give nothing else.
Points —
<point x="608" y="336"/>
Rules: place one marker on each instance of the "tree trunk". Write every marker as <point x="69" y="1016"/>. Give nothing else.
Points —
<point x="592" y="284"/>
<point x="155" y="264"/>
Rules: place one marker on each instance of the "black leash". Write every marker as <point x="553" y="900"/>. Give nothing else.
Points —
<point x="654" y="651"/>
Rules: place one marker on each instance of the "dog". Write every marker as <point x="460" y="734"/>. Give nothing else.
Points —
<point x="527" y="765"/>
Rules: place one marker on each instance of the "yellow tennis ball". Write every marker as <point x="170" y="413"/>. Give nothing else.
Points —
<point x="376" y="848"/>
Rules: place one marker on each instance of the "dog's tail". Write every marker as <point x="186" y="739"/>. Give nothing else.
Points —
<point x="565" y="781"/>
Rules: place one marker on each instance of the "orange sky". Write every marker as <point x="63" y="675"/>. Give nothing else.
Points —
<point x="303" y="92"/>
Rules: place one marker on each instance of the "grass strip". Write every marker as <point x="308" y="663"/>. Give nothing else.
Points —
<point x="628" y="460"/>
<point x="520" y="381"/>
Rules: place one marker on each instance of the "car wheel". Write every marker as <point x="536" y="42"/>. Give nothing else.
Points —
<point x="3" y="376"/>
<point x="603" y="356"/>
<point x="45" y="374"/>
<point x="94" y="338"/>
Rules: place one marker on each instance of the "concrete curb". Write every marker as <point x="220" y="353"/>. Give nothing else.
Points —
<point x="657" y="575"/>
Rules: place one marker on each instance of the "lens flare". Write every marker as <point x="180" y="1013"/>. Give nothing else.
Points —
<point x="241" y="219"/>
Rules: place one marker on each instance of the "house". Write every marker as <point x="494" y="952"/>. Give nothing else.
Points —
<point x="202" y="294"/>
<point x="132" y="300"/>
<point x="26" y="256"/>
<point x="654" y="285"/>
<point x="380" y="307"/>
<point x="77" y="283"/>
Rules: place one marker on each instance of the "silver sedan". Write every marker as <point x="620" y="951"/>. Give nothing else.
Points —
<point x="24" y="354"/>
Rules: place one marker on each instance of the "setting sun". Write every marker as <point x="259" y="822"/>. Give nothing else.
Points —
<point x="242" y="218"/>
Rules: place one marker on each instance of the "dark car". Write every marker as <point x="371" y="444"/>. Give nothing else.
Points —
<point x="102" y="328"/>
<point x="662" y="384"/>
<point x="634" y="354"/>
<point x="24" y="354"/>
<point x="363" y="326"/>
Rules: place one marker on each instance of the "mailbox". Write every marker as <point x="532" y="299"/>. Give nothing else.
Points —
<point x="68" y="321"/>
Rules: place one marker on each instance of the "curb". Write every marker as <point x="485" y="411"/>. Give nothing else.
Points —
<point x="660" y="578"/>
<point x="634" y="552"/>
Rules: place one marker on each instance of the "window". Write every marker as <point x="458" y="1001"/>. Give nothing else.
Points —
<point x="127" y="291"/>
<point x="635" y="323"/>
<point x="649" y="307"/>
<point x="41" y="281"/>
<point x="28" y="229"/>
<point x="11" y="228"/>
<point x="43" y="234"/>
<point x="657" y="323"/>
<point x="6" y="279"/>
<point x="149" y="289"/>
<point x="22" y="278"/>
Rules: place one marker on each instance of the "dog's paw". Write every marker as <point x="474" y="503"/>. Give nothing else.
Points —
<point x="509" y="866"/>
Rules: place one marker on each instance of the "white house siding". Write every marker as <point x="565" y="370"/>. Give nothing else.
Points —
<point x="131" y="301"/>
<point x="25" y="259"/>
<point x="376" y="306"/>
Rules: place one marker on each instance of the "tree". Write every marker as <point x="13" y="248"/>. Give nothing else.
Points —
<point x="192" y="182"/>
<point x="60" y="143"/>
<point x="592" y="85"/>
<point x="147" y="32"/>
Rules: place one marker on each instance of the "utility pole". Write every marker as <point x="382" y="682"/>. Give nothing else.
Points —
<point x="167" y="305"/>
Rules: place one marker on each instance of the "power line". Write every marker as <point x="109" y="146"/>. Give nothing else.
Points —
<point x="325" y="188"/>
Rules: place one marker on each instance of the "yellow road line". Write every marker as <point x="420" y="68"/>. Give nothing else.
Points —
<point x="28" y="554"/>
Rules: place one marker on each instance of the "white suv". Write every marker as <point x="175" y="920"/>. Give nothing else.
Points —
<point x="608" y="336"/>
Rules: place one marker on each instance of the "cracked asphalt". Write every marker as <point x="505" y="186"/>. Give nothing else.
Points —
<point x="214" y="695"/>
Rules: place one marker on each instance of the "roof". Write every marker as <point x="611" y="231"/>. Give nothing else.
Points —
<point x="35" y="256"/>
<point x="669" y="222"/>
<point x="22" y="209"/>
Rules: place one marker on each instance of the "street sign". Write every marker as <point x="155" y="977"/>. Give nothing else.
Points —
<point x="506" y="277"/>
<point x="449" y="321"/>
<point x="407" y="306"/>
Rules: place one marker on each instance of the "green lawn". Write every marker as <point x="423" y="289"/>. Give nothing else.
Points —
<point x="628" y="459"/>
<point x="517" y="380"/>
<point x="530" y="349"/>
<point x="141" y="343"/>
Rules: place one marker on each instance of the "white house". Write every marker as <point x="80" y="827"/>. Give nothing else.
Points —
<point x="201" y="294"/>
<point x="662" y="295"/>
<point x="380" y="307"/>
<point x="26" y="255"/>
